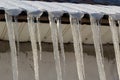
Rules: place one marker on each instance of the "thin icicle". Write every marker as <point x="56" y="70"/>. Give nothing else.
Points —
<point x="16" y="34"/>
<point x="31" y="26"/>
<point x="78" y="47"/>
<point x="11" y="36"/>
<point x="39" y="38"/>
<point x="81" y="48"/>
<point x="119" y="27"/>
<point x="98" y="47"/>
<point x="60" y="37"/>
<point x="55" y="47"/>
<point x="115" y="42"/>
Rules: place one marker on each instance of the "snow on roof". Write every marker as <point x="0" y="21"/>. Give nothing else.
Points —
<point x="15" y="7"/>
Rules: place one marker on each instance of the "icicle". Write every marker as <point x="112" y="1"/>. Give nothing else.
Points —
<point x="55" y="46"/>
<point x="59" y="29"/>
<point x="16" y="34"/>
<point x="98" y="47"/>
<point x="119" y="27"/>
<point x="115" y="42"/>
<point x="39" y="39"/>
<point x="31" y="26"/>
<point x="78" y="47"/>
<point x="11" y="36"/>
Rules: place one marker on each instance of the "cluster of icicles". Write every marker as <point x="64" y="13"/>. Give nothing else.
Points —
<point x="57" y="38"/>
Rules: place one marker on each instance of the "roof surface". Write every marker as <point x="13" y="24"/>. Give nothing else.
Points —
<point x="106" y="2"/>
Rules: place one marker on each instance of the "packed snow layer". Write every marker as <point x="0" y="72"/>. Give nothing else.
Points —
<point x="36" y="8"/>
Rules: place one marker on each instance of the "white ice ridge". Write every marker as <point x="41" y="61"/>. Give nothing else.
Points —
<point x="14" y="7"/>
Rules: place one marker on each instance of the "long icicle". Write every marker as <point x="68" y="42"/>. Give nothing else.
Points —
<point x="119" y="27"/>
<point x="59" y="29"/>
<point x="31" y="26"/>
<point x="98" y="47"/>
<point x="81" y="48"/>
<point x="39" y="38"/>
<point x="55" y="46"/>
<point x="78" y="47"/>
<point x="115" y="42"/>
<point x="11" y="36"/>
<point x="16" y="34"/>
